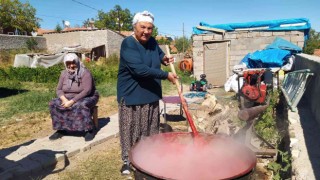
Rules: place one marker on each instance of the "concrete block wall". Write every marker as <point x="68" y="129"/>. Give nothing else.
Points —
<point x="240" y="44"/>
<point x="114" y="41"/>
<point x="311" y="96"/>
<point x="19" y="42"/>
<point x="56" y="41"/>
<point x="87" y="40"/>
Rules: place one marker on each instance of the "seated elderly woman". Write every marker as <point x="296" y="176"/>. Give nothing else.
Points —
<point x="77" y="95"/>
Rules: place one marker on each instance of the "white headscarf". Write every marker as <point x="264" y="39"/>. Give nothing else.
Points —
<point x="73" y="76"/>
<point x="144" y="16"/>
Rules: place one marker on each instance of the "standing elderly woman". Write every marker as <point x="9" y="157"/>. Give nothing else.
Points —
<point x="139" y="85"/>
<point x="77" y="96"/>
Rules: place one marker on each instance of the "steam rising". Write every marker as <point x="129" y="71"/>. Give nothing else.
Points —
<point x="180" y="156"/>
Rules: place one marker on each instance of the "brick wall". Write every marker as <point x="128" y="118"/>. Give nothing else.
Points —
<point x="240" y="43"/>
<point x="19" y="42"/>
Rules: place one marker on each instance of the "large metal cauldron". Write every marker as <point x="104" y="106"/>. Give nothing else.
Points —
<point x="179" y="155"/>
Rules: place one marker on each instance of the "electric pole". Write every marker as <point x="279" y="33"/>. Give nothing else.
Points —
<point x="182" y="37"/>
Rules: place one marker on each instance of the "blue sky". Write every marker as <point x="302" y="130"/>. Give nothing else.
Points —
<point x="173" y="17"/>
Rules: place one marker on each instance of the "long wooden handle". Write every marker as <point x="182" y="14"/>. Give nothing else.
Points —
<point x="173" y="70"/>
<point x="183" y="101"/>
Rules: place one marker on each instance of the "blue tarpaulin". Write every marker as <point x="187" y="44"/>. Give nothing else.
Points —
<point x="272" y="25"/>
<point x="280" y="43"/>
<point x="274" y="55"/>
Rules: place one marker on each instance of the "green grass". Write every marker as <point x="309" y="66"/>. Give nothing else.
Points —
<point x="105" y="166"/>
<point x="106" y="89"/>
<point x="31" y="101"/>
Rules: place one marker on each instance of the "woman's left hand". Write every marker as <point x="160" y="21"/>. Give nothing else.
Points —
<point x="68" y="104"/>
<point x="167" y="60"/>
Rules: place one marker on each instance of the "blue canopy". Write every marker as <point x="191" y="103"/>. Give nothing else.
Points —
<point x="272" y="25"/>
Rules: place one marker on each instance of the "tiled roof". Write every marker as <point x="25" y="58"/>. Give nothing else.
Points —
<point x="44" y="31"/>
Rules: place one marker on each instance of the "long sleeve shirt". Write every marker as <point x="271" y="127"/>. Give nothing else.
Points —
<point x="77" y="91"/>
<point x="140" y="74"/>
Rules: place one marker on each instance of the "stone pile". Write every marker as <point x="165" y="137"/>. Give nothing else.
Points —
<point x="213" y="117"/>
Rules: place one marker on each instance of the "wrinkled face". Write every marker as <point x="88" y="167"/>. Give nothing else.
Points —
<point x="143" y="31"/>
<point x="71" y="65"/>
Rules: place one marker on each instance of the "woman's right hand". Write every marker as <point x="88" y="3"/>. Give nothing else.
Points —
<point x="172" y="77"/>
<point x="63" y="100"/>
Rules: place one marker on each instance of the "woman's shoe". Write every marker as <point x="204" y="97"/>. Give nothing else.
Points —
<point x="89" y="136"/>
<point x="125" y="169"/>
<point x="58" y="134"/>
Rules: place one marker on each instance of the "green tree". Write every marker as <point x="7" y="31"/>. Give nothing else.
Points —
<point x="15" y="15"/>
<point x="182" y="44"/>
<point x="116" y="19"/>
<point x="58" y="28"/>
<point x="86" y="23"/>
<point x="313" y="42"/>
<point x="31" y="44"/>
<point x="155" y="31"/>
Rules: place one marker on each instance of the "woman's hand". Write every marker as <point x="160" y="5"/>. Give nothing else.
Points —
<point x="63" y="100"/>
<point x="68" y="104"/>
<point x="167" y="60"/>
<point x="172" y="77"/>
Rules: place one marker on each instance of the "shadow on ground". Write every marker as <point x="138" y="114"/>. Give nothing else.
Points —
<point x="311" y="136"/>
<point x="42" y="162"/>
<point x="5" y="92"/>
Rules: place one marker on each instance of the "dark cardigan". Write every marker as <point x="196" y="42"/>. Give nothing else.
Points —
<point x="140" y="74"/>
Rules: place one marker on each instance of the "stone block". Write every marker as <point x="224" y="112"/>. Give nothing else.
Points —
<point x="73" y="151"/>
<point x="218" y="37"/>
<point x="278" y="33"/>
<point x="255" y="34"/>
<point x="297" y="38"/>
<point x="197" y="38"/>
<point x="233" y="58"/>
<point x="230" y="36"/>
<point x="300" y="33"/>
<point x="250" y="34"/>
<point x="197" y="44"/>
<point x="242" y="35"/>
<point x="295" y="153"/>
<point x="287" y="37"/>
<point x="238" y="47"/>
<point x="265" y="34"/>
<point x="208" y="37"/>
<point x="293" y="141"/>
<point x="198" y="53"/>
<point x="301" y="44"/>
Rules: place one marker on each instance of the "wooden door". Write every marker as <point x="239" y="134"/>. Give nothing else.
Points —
<point x="216" y="62"/>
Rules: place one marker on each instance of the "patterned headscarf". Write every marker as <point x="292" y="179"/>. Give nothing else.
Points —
<point x="73" y="75"/>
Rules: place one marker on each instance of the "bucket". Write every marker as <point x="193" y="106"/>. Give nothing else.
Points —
<point x="186" y="65"/>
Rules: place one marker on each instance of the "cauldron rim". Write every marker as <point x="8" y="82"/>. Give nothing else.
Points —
<point x="248" y="170"/>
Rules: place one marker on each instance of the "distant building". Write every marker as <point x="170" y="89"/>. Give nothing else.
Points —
<point x="217" y="48"/>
